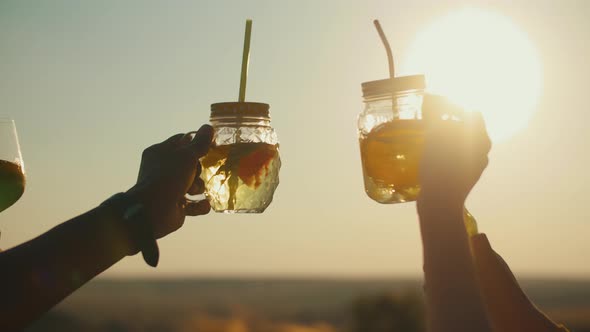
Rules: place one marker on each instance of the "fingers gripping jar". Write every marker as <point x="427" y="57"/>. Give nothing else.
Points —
<point x="391" y="137"/>
<point x="241" y="170"/>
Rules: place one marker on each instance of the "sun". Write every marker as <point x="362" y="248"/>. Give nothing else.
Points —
<point x="483" y="62"/>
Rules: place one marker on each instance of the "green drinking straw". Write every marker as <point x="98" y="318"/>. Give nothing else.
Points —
<point x="245" y="60"/>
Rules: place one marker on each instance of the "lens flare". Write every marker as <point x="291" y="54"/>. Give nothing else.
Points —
<point x="482" y="61"/>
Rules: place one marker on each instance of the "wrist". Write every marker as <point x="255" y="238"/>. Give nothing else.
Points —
<point x="436" y="201"/>
<point x="139" y="194"/>
<point x="119" y="229"/>
<point x="130" y="214"/>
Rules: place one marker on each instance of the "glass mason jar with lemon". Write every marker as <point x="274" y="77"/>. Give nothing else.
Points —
<point x="391" y="129"/>
<point x="241" y="169"/>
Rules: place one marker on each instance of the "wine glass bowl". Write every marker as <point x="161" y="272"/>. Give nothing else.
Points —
<point x="12" y="172"/>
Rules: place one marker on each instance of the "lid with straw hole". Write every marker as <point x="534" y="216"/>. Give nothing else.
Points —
<point x="393" y="85"/>
<point x="240" y="109"/>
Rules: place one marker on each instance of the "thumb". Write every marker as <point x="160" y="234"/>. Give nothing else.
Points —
<point x="509" y="309"/>
<point x="200" y="143"/>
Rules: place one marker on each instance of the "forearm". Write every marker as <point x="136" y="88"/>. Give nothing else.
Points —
<point x="507" y="304"/>
<point x="453" y="299"/>
<point x="42" y="272"/>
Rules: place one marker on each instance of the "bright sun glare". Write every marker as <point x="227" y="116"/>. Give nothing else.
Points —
<point x="482" y="61"/>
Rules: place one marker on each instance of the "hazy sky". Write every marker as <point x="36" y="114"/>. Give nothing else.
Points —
<point x="90" y="84"/>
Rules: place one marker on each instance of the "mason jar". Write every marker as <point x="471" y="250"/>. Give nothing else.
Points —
<point x="241" y="169"/>
<point x="391" y="138"/>
<point x="391" y="130"/>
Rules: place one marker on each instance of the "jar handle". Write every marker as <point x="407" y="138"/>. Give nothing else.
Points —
<point x="199" y="197"/>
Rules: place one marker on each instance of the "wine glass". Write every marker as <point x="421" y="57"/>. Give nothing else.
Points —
<point x="12" y="172"/>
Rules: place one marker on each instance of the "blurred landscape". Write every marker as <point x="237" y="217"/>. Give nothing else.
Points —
<point x="278" y="305"/>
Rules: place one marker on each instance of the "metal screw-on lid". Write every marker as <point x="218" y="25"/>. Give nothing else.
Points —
<point x="240" y="109"/>
<point x="397" y="84"/>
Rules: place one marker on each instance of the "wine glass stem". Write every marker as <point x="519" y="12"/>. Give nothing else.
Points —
<point x="470" y="223"/>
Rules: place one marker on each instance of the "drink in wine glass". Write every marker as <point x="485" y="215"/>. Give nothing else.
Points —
<point x="12" y="174"/>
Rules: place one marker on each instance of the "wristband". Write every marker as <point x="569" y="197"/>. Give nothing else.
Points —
<point x="141" y="234"/>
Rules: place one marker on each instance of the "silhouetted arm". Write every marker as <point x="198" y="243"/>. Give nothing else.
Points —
<point x="40" y="273"/>
<point x="508" y="307"/>
<point x="468" y="288"/>
<point x="453" y="300"/>
<point x="454" y="157"/>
